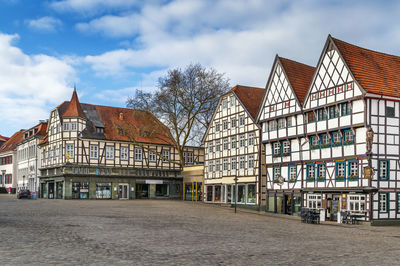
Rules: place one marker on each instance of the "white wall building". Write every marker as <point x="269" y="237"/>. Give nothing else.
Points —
<point x="233" y="150"/>
<point x="28" y="158"/>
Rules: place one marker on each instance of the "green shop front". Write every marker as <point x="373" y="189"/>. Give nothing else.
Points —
<point x="77" y="182"/>
<point x="284" y="202"/>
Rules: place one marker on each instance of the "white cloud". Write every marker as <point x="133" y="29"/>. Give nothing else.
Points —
<point x="239" y="38"/>
<point x="44" y="24"/>
<point x="30" y="85"/>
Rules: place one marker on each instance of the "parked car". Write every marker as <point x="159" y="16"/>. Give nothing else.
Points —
<point x="24" y="194"/>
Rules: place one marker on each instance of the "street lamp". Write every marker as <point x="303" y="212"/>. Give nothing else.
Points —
<point x="235" y="195"/>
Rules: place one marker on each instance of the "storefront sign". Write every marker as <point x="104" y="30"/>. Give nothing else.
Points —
<point x="154" y="182"/>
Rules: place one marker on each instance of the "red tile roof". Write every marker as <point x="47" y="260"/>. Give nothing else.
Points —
<point x="74" y="108"/>
<point x="2" y="138"/>
<point x="299" y="75"/>
<point x="11" y="143"/>
<point x="376" y="72"/>
<point x="41" y="130"/>
<point x="250" y="97"/>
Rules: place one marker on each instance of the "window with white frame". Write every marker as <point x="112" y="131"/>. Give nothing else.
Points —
<point x="233" y="163"/>
<point x="289" y="121"/>
<point x="276" y="172"/>
<point x="281" y="123"/>
<point x="336" y="138"/>
<point x="165" y="154"/>
<point x="94" y="151"/>
<point x="340" y="169"/>
<point x="242" y="120"/>
<point x="69" y="149"/>
<point x="225" y="145"/>
<point x="241" y="162"/>
<point x="211" y="166"/>
<point x="225" y="125"/>
<point x="310" y="171"/>
<point x="138" y="154"/>
<point x="232" y="100"/>
<point x="152" y="156"/>
<point x="383" y="169"/>
<point x="218" y="145"/>
<point x="225" y="164"/>
<point x="210" y="147"/>
<point x="242" y="141"/>
<point x="356" y="203"/>
<point x="251" y="139"/>
<point x="250" y="161"/>
<point x="225" y="103"/>
<point x="286" y="147"/>
<point x="188" y="156"/>
<point x="383" y="202"/>
<point x="110" y="152"/>
<point x="348" y="136"/>
<point x="233" y="142"/>
<point x="233" y="123"/>
<point x="124" y="153"/>
<point x="218" y="165"/>
<point x="353" y="169"/>
<point x="325" y="140"/>
<point x="272" y="125"/>
<point x="314" y="201"/>
<point x="292" y="172"/>
<point x="217" y="127"/>
<point x="277" y="148"/>
<point x="321" y="170"/>
<point x="314" y="141"/>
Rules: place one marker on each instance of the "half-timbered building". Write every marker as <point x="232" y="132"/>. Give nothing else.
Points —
<point x="233" y="150"/>
<point x="351" y="145"/>
<point x="8" y="162"/>
<point x="28" y="157"/>
<point x="281" y="119"/>
<point x="101" y="152"/>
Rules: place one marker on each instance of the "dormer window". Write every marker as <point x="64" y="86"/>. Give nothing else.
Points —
<point x="99" y="129"/>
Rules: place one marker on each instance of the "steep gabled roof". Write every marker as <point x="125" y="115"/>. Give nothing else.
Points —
<point x="250" y="97"/>
<point x="74" y="108"/>
<point x="11" y="143"/>
<point x="2" y="138"/>
<point x="299" y="75"/>
<point x="376" y="72"/>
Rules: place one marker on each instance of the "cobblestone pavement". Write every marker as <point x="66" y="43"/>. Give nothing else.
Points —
<point x="146" y="232"/>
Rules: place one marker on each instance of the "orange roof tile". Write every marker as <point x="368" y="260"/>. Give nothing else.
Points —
<point x="376" y="72"/>
<point x="2" y="138"/>
<point x="250" y="97"/>
<point x="299" y="75"/>
<point x="74" y="108"/>
<point x="11" y="143"/>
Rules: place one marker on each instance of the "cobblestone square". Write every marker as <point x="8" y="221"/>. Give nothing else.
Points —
<point x="146" y="232"/>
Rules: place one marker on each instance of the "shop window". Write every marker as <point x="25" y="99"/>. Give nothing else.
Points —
<point x="103" y="190"/>
<point x="384" y="169"/>
<point x="398" y="202"/>
<point x="340" y="173"/>
<point x="356" y="203"/>
<point x="80" y="190"/>
<point x="228" y="193"/>
<point x="389" y="111"/>
<point x="251" y="193"/>
<point x="162" y="190"/>
<point x="241" y="194"/>
<point x="314" y="201"/>
<point x="217" y="194"/>
<point x="333" y="112"/>
<point x="345" y="109"/>
<point x="209" y="193"/>
<point x="383" y="202"/>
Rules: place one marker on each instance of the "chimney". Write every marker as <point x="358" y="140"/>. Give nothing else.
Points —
<point x="121" y="116"/>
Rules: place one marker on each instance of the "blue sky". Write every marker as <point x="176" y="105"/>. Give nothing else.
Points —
<point x="109" y="48"/>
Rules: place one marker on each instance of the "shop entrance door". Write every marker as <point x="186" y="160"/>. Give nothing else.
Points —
<point x="142" y="191"/>
<point x="123" y="191"/>
<point x="51" y="190"/>
<point x="335" y="207"/>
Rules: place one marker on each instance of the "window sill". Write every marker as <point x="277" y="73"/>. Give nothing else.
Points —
<point x="310" y="179"/>
<point x="340" y="179"/>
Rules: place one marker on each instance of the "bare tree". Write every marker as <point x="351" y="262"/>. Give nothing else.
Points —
<point x="184" y="101"/>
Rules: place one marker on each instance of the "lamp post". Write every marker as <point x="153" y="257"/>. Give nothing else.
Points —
<point x="23" y="181"/>
<point x="235" y="194"/>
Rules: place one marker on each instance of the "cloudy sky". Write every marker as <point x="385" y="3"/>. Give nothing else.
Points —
<point x="109" y="48"/>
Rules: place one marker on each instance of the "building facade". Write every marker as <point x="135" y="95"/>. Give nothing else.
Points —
<point x="100" y="152"/>
<point x="193" y="182"/>
<point x="281" y="119"/>
<point x="8" y="163"/>
<point x="234" y="155"/>
<point x="343" y="150"/>
<point x="28" y="158"/>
